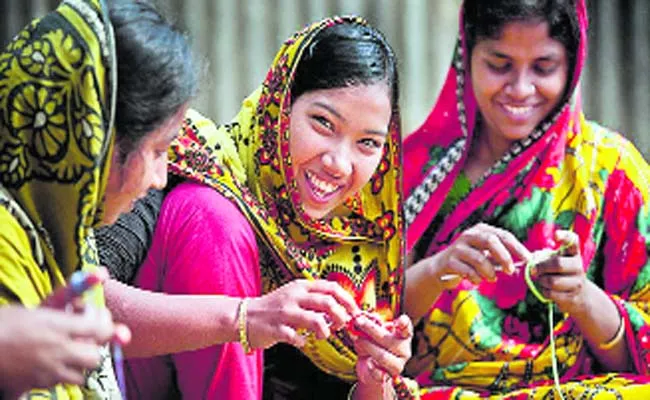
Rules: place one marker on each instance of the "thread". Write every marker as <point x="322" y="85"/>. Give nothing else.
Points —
<point x="531" y="285"/>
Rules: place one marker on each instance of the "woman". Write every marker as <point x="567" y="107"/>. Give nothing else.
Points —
<point x="304" y="183"/>
<point x="91" y="98"/>
<point x="506" y="165"/>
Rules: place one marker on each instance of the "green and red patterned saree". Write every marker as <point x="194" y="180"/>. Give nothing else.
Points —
<point x="492" y="339"/>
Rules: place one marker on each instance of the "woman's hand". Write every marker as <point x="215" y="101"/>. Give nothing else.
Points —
<point x="382" y="349"/>
<point x="320" y="307"/>
<point x="562" y="279"/>
<point x="71" y="298"/>
<point x="474" y="254"/>
<point x="43" y="347"/>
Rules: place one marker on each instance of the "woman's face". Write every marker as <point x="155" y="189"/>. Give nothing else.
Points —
<point x="336" y="142"/>
<point x="518" y="78"/>
<point x="143" y="168"/>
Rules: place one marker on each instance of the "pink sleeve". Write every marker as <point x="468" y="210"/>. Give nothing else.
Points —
<point x="204" y="245"/>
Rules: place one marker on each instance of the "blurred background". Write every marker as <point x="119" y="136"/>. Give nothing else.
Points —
<point x="238" y="39"/>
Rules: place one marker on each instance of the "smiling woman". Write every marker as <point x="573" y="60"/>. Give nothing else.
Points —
<point x="507" y="165"/>
<point x="290" y="218"/>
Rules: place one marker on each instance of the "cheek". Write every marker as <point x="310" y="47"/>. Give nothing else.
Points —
<point x="305" y="144"/>
<point x="366" y="168"/>
<point x="553" y="90"/>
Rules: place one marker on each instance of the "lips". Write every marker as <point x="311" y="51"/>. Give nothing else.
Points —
<point x="518" y="113"/>
<point x="320" y="189"/>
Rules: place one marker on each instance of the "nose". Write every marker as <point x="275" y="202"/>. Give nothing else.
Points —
<point x="520" y="86"/>
<point x="337" y="162"/>
<point x="160" y="174"/>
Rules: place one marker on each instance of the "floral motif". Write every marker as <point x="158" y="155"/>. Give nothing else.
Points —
<point x="37" y="115"/>
<point x="14" y="166"/>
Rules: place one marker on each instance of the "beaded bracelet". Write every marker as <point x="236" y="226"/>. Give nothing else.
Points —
<point x="242" y="326"/>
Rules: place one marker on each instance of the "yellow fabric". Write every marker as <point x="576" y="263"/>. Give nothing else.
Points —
<point x="55" y="143"/>
<point x="360" y="246"/>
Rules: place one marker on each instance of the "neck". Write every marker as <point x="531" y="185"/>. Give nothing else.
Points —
<point x="489" y="147"/>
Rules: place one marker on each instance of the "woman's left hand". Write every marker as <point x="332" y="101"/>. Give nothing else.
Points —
<point x="383" y="349"/>
<point x="562" y="279"/>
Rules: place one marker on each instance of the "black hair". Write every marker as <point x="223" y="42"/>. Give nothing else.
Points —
<point x="156" y="71"/>
<point x="347" y="54"/>
<point x="486" y="18"/>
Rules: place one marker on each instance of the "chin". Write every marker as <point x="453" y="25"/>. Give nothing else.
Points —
<point x="317" y="214"/>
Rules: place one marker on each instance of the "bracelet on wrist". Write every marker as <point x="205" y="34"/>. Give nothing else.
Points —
<point x="620" y="333"/>
<point x="242" y="326"/>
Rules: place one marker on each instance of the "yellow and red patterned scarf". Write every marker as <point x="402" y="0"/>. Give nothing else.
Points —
<point x="248" y="161"/>
<point x="56" y="136"/>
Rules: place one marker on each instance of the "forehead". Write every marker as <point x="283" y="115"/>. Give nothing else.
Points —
<point x="522" y="38"/>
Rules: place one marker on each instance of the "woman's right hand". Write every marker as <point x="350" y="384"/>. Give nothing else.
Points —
<point x="474" y="254"/>
<point x="320" y="307"/>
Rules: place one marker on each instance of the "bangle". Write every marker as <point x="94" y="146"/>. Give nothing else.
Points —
<point x="617" y="337"/>
<point x="242" y="326"/>
<point x="352" y="390"/>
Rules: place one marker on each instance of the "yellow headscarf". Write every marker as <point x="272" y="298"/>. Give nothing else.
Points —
<point x="56" y="114"/>
<point x="248" y="161"/>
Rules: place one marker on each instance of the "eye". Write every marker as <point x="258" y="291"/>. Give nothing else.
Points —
<point x="500" y="68"/>
<point x="545" y="68"/>
<point x="323" y="122"/>
<point x="371" y="144"/>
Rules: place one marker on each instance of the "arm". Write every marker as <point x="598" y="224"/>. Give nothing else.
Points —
<point x="156" y="319"/>
<point x="611" y="315"/>
<point x="204" y="257"/>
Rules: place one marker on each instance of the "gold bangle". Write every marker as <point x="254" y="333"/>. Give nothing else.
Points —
<point x="243" y="326"/>
<point x="617" y="337"/>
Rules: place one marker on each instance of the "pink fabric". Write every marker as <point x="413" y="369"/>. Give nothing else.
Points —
<point x="202" y="245"/>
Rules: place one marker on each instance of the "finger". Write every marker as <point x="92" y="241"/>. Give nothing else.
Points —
<point x="70" y="375"/>
<point x="383" y="359"/>
<point x="313" y="321"/>
<point x="569" y="239"/>
<point x="82" y="355"/>
<point x="559" y="283"/>
<point x="491" y="242"/>
<point x="464" y="270"/>
<point x="403" y="327"/>
<point x="381" y="336"/>
<point x="121" y="335"/>
<point x="476" y="259"/>
<point x="287" y="334"/>
<point x="560" y="266"/>
<point x="510" y="241"/>
<point x="335" y="290"/>
<point x="337" y="315"/>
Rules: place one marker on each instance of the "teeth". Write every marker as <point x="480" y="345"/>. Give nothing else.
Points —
<point x="518" y="110"/>
<point x="321" y="185"/>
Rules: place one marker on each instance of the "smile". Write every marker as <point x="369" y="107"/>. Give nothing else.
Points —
<point x="517" y="110"/>
<point x="322" y="190"/>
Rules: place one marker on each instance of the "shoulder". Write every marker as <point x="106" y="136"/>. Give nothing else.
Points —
<point x="198" y="213"/>
<point x="198" y="201"/>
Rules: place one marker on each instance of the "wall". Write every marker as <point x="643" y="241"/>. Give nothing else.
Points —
<point x="238" y="38"/>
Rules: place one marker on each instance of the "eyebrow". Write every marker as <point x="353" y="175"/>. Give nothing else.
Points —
<point x="547" y="57"/>
<point x="340" y="117"/>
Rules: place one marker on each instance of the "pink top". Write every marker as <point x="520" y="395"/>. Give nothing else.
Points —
<point x="202" y="245"/>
